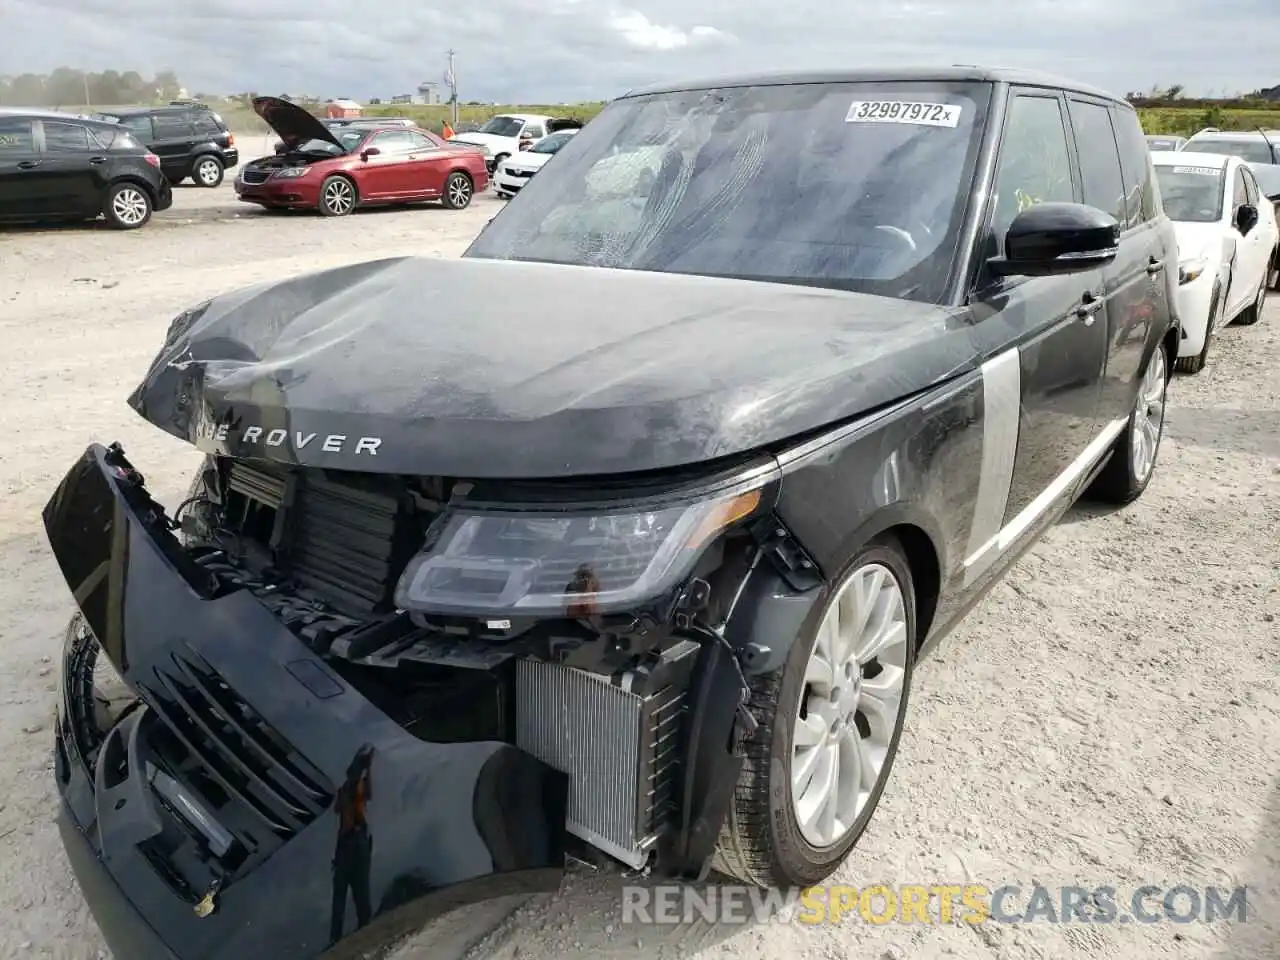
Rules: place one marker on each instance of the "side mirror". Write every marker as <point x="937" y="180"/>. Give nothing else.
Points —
<point x="369" y="152"/>
<point x="1051" y="239"/>
<point x="1246" y="218"/>
<point x="526" y="144"/>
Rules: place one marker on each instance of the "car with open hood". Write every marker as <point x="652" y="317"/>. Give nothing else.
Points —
<point x="337" y="170"/>
<point x="507" y="134"/>
<point x="642" y="578"/>
<point x="1228" y="245"/>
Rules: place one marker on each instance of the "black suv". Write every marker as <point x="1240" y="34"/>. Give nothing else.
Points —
<point x="191" y="141"/>
<point x="58" y="166"/>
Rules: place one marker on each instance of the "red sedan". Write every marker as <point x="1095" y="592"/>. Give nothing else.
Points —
<point x="337" y="170"/>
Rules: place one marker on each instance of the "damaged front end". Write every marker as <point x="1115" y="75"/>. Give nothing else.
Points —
<point x="315" y="709"/>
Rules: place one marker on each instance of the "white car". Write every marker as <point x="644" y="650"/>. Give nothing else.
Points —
<point x="514" y="172"/>
<point x="509" y="133"/>
<point x="1227" y="244"/>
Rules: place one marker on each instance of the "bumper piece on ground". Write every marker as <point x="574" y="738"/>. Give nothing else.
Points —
<point x="244" y="808"/>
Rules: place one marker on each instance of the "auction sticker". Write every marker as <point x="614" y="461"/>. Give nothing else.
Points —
<point x="1199" y="171"/>
<point x="903" y="111"/>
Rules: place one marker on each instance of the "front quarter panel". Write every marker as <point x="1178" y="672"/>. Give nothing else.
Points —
<point x="916" y="465"/>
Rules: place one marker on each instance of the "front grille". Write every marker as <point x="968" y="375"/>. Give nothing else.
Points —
<point x="619" y="749"/>
<point x="343" y="542"/>
<point x="250" y="766"/>
<point x="255" y="176"/>
<point x="340" y="541"/>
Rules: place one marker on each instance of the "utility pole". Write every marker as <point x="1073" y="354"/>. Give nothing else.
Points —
<point x="453" y="90"/>
<point x="87" y="102"/>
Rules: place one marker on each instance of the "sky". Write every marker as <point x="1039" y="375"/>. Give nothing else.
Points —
<point x="552" y="51"/>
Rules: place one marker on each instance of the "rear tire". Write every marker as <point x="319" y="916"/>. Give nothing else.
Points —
<point x="338" y="196"/>
<point x="1273" y="271"/>
<point x="207" y="171"/>
<point x="1133" y="458"/>
<point x="127" y="206"/>
<point x="458" y="191"/>
<point x="763" y="840"/>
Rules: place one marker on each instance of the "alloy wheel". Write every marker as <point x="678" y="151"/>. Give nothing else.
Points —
<point x="459" y="191"/>
<point x="207" y="172"/>
<point x="129" y="206"/>
<point x="1148" y="417"/>
<point x="338" y="197"/>
<point x="854" y="686"/>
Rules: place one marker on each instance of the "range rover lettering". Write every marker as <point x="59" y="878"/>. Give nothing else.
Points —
<point x="644" y="580"/>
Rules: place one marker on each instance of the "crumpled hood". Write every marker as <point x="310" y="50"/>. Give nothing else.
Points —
<point x="419" y="366"/>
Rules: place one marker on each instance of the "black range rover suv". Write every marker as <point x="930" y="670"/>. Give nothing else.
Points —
<point x="190" y="140"/>
<point x="59" y="166"/>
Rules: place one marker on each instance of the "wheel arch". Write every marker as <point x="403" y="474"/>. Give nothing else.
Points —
<point x="152" y="192"/>
<point x="771" y="612"/>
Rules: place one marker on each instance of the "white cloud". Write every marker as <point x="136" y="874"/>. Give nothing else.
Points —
<point x="546" y="51"/>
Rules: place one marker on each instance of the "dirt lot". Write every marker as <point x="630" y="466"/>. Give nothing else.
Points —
<point x="1110" y="715"/>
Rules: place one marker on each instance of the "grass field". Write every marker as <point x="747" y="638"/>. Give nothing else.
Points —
<point x="1164" y="119"/>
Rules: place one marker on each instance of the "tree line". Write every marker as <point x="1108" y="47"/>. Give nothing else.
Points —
<point x="65" y="87"/>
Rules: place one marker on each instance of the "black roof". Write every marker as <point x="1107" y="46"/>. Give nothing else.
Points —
<point x="959" y="73"/>
<point x="139" y="111"/>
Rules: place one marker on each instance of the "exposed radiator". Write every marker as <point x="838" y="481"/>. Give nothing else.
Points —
<point x="620" y="750"/>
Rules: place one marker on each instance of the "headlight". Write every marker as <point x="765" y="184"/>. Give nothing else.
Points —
<point x="566" y="561"/>
<point x="292" y="173"/>
<point x="1190" y="269"/>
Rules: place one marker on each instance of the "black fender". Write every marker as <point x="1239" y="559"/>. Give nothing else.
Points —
<point x="712" y="762"/>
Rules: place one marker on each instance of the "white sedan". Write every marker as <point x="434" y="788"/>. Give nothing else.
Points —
<point x="1227" y="242"/>
<point x="514" y="172"/>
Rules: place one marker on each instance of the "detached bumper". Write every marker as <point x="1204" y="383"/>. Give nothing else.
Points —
<point x="256" y="804"/>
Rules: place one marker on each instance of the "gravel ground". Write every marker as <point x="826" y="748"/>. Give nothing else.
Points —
<point x="1110" y="715"/>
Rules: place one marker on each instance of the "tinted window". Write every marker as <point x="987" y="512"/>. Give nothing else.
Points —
<point x="1239" y="195"/>
<point x="1250" y="185"/>
<point x="552" y="143"/>
<point x="859" y="186"/>
<point x="139" y="126"/>
<point x="1099" y="158"/>
<point x="1034" y="164"/>
<point x="503" y="127"/>
<point x="65" y="137"/>
<point x="16" y="136"/>
<point x="207" y="126"/>
<point x="1191" y="194"/>
<point x="1143" y="196"/>
<point x="1252" y="151"/>
<point x="172" y="128"/>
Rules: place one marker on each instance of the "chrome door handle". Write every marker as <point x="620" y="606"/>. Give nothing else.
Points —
<point x="1088" y="307"/>
<point x="1155" y="266"/>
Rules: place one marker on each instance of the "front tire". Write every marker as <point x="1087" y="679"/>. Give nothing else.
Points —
<point x="458" y="191"/>
<point x="127" y="206"/>
<point x="207" y="171"/>
<point x="337" y="196"/>
<point x="1254" y="313"/>
<point x="1196" y="364"/>
<point x="829" y="725"/>
<point x="1133" y="458"/>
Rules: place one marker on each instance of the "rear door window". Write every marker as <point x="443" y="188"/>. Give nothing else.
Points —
<point x="172" y="128"/>
<point x="66" y="138"/>
<point x="16" y="136"/>
<point x="1099" y="158"/>
<point x="1141" y="190"/>
<point x="140" y="126"/>
<point x="206" y="126"/>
